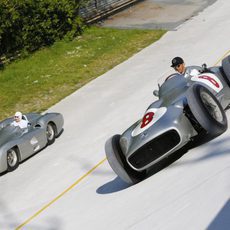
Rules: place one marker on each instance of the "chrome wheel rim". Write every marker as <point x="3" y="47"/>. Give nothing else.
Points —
<point x="50" y="132"/>
<point x="12" y="158"/>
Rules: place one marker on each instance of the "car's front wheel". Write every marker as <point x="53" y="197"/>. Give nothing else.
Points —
<point x="207" y="110"/>
<point x="50" y="133"/>
<point x="119" y="164"/>
<point x="12" y="159"/>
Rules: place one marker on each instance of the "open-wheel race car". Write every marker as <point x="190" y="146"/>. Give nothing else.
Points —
<point x="189" y="108"/>
<point x="18" y="144"/>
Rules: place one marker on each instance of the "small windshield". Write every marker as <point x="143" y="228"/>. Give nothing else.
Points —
<point x="9" y="132"/>
<point x="164" y="76"/>
<point x="190" y="71"/>
<point x="174" y="84"/>
<point x="11" y="129"/>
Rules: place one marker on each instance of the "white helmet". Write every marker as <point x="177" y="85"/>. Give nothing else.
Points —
<point x="18" y="114"/>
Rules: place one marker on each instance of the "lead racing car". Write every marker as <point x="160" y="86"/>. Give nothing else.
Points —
<point x="18" y="144"/>
<point x="189" y="108"/>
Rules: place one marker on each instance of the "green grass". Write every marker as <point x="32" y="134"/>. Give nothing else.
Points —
<point x="45" y="77"/>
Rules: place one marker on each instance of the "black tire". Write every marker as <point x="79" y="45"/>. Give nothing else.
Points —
<point x="12" y="158"/>
<point x="50" y="133"/>
<point x="119" y="164"/>
<point x="226" y="68"/>
<point x="207" y="110"/>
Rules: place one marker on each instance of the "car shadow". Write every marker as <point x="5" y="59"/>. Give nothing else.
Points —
<point x="113" y="186"/>
<point x="34" y="154"/>
<point x="40" y="150"/>
<point x="62" y="131"/>
<point x="3" y="173"/>
<point x="217" y="149"/>
<point x="117" y="184"/>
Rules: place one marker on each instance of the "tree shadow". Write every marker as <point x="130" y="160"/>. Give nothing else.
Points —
<point x="8" y="220"/>
<point x="222" y="220"/>
<point x="51" y="223"/>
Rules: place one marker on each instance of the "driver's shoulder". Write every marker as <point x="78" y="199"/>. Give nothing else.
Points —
<point x="193" y="67"/>
<point x="192" y="71"/>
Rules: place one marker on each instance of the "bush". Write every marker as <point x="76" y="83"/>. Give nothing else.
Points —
<point x="30" y="24"/>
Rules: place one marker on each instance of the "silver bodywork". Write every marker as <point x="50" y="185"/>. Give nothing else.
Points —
<point x="30" y="140"/>
<point x="170" y="119"/>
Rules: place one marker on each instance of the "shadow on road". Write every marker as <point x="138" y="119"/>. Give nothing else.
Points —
<point x="218" y="149"/>
<point x="115" y="185"/>
<point x="9" y="220"/>
<point x="222" y="220"/>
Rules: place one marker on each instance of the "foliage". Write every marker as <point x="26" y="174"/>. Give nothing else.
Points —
<point x="45" y="77"/>
<point x="30" y="24"/>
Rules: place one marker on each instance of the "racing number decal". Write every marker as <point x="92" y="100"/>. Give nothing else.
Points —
<point x="147" y="119"/>
<point x="151" y="117"/>
<point x="212" y="80"/>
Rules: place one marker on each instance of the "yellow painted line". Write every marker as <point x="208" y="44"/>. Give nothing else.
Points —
<point x="79" y="180"/>
<point x="225" y="55"/>
<point x="60" y="195"/>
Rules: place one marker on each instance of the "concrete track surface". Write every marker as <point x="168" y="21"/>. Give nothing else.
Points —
<point x="70" y="185"/>
<point x="156" y="14"/>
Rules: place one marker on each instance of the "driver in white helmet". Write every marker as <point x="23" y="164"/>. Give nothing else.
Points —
<point x="18" y="121"/>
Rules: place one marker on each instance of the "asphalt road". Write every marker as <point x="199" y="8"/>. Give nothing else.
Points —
<point x="70" y="185"/>
<point x="157" y="14"/>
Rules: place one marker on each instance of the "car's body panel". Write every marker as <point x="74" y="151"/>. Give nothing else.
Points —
<point x="30" y="140"/>
<point x="169" y="114"/>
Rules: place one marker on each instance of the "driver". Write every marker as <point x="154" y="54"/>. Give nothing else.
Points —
<point x="18" y="121"/>
<point x="179" y="65"/>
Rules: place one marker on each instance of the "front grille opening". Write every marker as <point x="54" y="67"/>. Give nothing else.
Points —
<point x="154" y="149"/>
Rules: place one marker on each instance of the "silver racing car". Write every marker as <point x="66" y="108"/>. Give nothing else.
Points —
<point x="18" y="144"/>
<point x="189" y="108"/>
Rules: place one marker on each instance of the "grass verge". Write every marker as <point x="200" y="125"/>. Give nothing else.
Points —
<point x="35" y="83"/>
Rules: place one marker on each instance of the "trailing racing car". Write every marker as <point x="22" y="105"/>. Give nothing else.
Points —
<point x="18" y="144"/>
<point x="189" y="108"/>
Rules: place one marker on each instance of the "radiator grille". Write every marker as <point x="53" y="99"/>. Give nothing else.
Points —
<point x="154" y="149"/>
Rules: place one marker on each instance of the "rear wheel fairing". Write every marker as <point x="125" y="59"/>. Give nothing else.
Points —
<point x="207" y="110"/>
<point x="210" y="80"/>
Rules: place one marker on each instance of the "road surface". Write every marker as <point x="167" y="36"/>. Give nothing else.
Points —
<point x="70" y="185"/>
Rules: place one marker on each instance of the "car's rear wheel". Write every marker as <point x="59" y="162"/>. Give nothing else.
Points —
<point x="226" y="69"/>
<point x="12" y="159"/>
<point x="119" y="164"/>
<point x="50" y="133"/>
<point x="207" y="110"/>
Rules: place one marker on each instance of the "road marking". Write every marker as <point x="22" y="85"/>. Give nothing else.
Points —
<point x="60" y="195"/>
<point x="81" y="178"/>
<point x="220" y="59"/>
